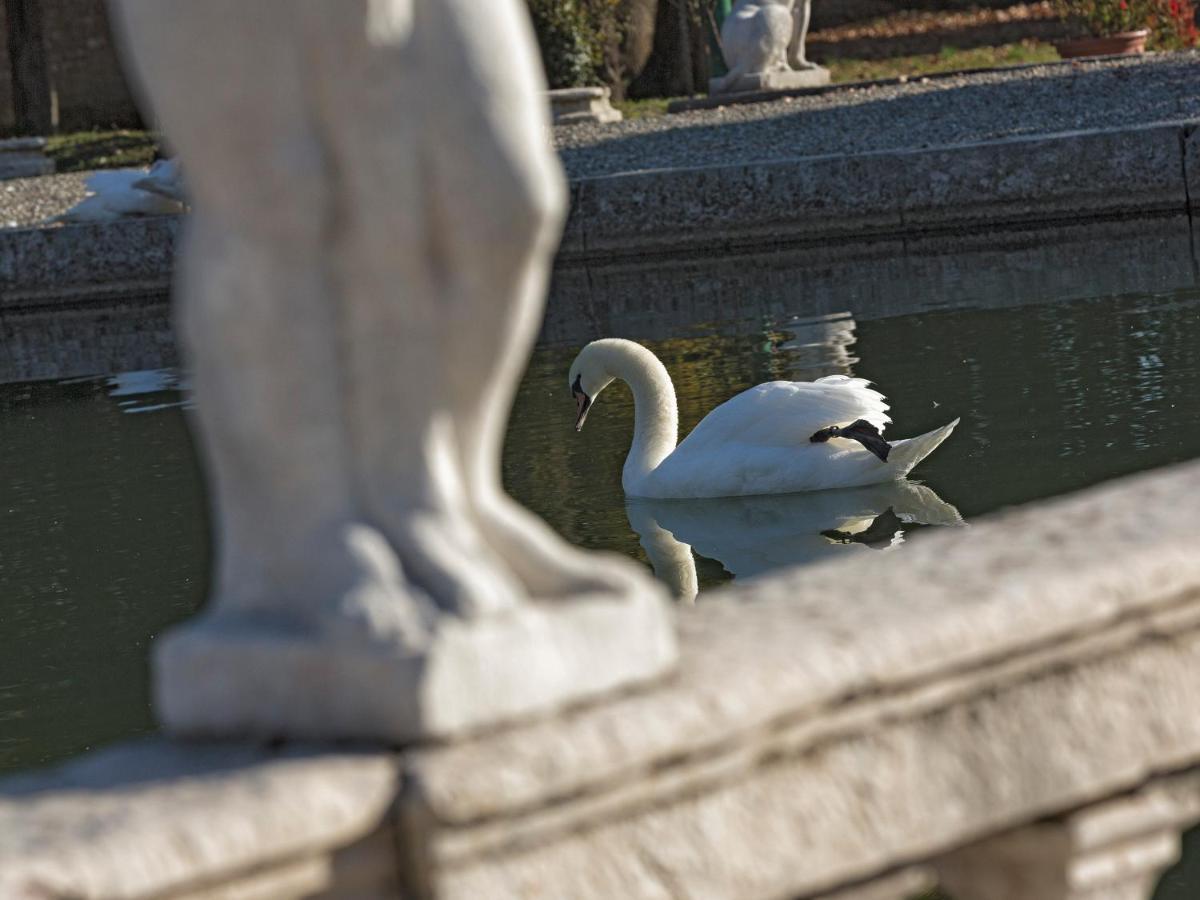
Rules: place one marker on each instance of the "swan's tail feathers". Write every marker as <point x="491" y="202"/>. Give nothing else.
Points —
<point x="907" y="453"/>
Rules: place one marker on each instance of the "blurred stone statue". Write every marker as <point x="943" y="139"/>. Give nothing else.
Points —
<point x="375" y="208"/>
<point x="763" y="45"/>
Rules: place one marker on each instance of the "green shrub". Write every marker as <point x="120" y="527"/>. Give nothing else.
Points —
<point x="573" y="36"/>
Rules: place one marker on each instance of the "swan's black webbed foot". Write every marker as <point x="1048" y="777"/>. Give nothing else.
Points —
<point x="859" y="430"/>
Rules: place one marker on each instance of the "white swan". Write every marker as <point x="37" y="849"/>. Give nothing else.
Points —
<point x="116" y="193"/>
<point x="776" y="438"/>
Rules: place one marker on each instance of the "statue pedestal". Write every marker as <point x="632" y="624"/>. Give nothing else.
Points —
<point x="570" y="106"/>
<point x="217" y="675"/>
<point x="754" y="82"/>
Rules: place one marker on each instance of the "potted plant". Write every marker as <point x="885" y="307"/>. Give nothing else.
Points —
<point x="1113" y="26"/>
<point x="1173" y="25"/>
<point x="1123" y="26"/>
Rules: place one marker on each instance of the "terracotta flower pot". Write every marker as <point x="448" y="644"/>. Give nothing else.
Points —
<point x="1124" y="43"/>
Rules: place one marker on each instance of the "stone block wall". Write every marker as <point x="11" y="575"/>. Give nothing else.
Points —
<point x="85" y="75"/>
<point x="6" y="102"/>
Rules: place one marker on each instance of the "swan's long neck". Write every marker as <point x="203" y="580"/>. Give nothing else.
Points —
<point x="655" y="414"/>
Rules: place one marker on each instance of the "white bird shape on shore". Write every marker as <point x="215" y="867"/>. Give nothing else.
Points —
<point x="117" y="193"/>
<point x="777" y="438"/>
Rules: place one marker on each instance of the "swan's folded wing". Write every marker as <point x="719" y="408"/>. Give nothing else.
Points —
<point x="787" y="413"/>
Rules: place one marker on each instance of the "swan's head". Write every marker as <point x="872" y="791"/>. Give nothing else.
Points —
<point x="588" y="377"/>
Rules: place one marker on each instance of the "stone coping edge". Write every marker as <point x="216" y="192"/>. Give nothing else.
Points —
<point x="152" y="818"/>
<point x="838" y="199"/>
<point x="834" y="199"/>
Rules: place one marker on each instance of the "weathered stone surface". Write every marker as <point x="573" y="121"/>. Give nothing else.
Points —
<point x="22" y="144"/>
<point x="24" y="165"/>
<point x="569" y="106"/>
<point x="1190" y="141"/>
<point x="1062" y="176"/>
<point x="1035" y="664"/>
<point x="74" y="262"/>
<point x="1115" y="850"/>
<point x="505" y="667"/>
<point x="23" y="157"/>
<point x="1018" y="181"/>
<point x="159" y="819"/>
<point x="902" y="885"/>
<point x="1013" y="583"/>
<point x="760" y="82"/>
<point x="923" y="198"/>
<point x="827" y="197"/>
<point x="796" y="813"/>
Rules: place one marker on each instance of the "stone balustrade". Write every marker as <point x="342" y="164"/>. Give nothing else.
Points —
<point x="1005" y="707"/>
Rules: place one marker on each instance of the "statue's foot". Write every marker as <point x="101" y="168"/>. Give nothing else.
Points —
<point x="379" y="604"/>
<point x="548" y="566"/>
<point x="446" y="558"/>
<point x="342" y="582"/>
<point x="803" y="65"/>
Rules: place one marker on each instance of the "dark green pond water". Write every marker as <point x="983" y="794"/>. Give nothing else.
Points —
<point x="103" y="536"/>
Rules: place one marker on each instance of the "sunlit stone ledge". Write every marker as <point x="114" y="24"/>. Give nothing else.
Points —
<point x="1016" y="695"/>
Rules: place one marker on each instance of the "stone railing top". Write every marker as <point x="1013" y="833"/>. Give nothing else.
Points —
<point x="792" y="649"/>
<point x="143" y="819"/>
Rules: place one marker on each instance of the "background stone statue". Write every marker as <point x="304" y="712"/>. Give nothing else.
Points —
<point x="375" y="208"/>
<point x="763" y="45"/>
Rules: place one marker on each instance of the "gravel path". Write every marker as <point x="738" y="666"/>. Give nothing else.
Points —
<point x="27" y="201"/>
<point x="921" y="113"/>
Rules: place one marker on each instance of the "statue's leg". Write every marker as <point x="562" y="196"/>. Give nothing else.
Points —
<point x="256" y="319"/>
<point x="450" y="208"/>
<point x="796" y="56"/>
<point x="405" y="315"/>
<point x="501" y="199"/>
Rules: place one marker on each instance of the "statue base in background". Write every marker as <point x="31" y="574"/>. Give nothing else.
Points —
<point x="754" y="82"/>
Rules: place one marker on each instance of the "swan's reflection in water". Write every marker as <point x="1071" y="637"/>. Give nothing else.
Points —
<point x="753" y="535"/>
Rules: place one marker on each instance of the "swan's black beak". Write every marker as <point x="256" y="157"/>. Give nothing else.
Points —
<point x="582" y="402"/>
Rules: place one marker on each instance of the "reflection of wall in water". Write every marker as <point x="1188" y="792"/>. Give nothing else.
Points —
<point x="119" y="336"/>
<point x="812" y="348"/>
<point x="653" y="298"/>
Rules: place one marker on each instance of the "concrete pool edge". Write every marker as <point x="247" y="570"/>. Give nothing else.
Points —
<point x="832" y="200"/>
